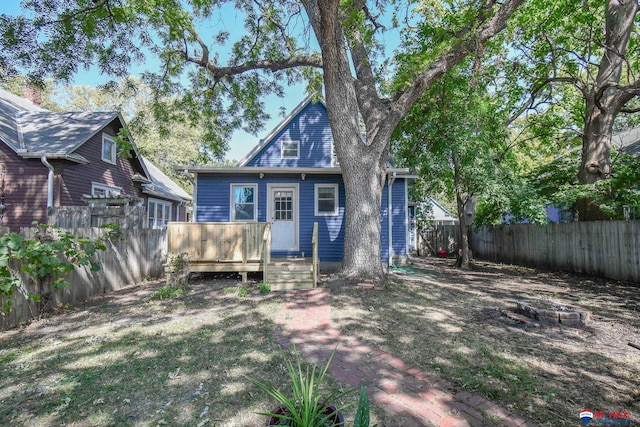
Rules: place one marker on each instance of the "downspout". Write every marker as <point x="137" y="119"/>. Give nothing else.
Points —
<point x="392" y="179"/>
<point x="194" y="202"/>
<point x="44" y="161"/>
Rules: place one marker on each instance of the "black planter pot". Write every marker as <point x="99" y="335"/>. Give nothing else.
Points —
<point x="336" y="420"/>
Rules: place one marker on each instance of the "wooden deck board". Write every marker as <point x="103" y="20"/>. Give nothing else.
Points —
<point x="240" y="247"/>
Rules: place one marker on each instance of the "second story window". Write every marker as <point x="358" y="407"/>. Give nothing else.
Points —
<point x="290" y="149"/>
<point x="334" y="156"/>
<point x="108" y="149"/>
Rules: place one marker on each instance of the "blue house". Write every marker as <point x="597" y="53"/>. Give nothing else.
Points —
<point x="292" y="180"/>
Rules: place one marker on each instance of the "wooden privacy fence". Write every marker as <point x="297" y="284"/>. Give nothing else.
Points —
<point x="129" y="217"/>
<point x="608" y="248"/>
<point x="221" y="246"/>
<point x="438" y="236"/>
<point x="137" y="254"/>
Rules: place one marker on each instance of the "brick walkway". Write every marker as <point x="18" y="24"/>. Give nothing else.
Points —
<point x="414" y="397"/>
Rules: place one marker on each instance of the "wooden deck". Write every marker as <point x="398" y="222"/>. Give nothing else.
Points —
<point x="241" y="247"/>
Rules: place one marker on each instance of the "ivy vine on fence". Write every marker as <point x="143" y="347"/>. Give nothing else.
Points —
<point x="46" y="258"/>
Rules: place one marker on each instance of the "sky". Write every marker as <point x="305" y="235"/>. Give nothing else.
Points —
<point x="241" y="142"/>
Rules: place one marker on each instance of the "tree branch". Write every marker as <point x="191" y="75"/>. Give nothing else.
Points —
<point x="365" y="82"/>
<point x="272" y="65"/>
<point x="403" y="101"/>
<point x="280" y="27"/>
<point x="533" y="94"/>
<point x="98" y="4"/>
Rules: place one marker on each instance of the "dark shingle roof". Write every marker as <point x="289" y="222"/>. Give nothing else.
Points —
<point x="32" y="131"/>
<point x="28" y="128"/>
<point x="161" y="185"/>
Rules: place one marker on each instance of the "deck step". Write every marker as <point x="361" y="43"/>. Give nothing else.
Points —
<point x="281" y="285"/>
<point x="293" y="273"/>
<point x="290" y="275"/>
<point x="283" y="266"/>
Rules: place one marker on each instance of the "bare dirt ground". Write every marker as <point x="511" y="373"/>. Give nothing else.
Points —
<point x="450" y="321"/>
<point x="129" y="358"/>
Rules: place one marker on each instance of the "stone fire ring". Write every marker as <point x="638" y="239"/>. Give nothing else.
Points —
<point x="554" y="313"/>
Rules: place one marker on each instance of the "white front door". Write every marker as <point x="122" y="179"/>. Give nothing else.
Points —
<point x="283" y="214"/>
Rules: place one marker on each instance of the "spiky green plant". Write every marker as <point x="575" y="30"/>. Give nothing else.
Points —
<point x="306" y="407"/>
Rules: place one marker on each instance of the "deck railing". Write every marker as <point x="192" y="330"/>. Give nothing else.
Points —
<point x="316" y="259"/>
<point x="230" y="247"/>
<point x="221" y="246"/>
<point x="266" y="251"/>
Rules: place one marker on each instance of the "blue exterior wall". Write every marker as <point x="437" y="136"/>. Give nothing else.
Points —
<point x="214" y="205"/>
<point x="311" y="128"/>
<point x="399" y="219"/>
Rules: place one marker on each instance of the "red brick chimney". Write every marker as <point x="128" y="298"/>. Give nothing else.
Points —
<point x="33" y="94"/>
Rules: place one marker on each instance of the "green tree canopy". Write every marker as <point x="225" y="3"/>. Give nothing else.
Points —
<point x="456" y="140"/>
<point x="220" y="78"/>
<point x="571" y="71"/>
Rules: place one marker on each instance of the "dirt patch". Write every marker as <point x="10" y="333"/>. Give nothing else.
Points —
<point x="453" y="322"/>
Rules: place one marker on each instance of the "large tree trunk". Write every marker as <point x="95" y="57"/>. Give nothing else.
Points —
<point x="363" y="183"/>
<point x="352" y="100"/>
<point x="604" y="101"/>
<point x="461" y="200"/>
<point x="362" y="168"/>
<point x="595" y="162"/>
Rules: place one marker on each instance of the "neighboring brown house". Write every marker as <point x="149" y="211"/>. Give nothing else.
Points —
<point x="58" y="159"/>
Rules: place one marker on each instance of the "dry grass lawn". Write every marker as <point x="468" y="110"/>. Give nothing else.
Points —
<point x="129" y="358"/>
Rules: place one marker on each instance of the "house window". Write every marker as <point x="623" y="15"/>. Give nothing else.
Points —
<point x="290" y="149"/>
<point x="243" y="202"/>
<point x="108" y="149"/>
<point x="326" y="201"/>
<point x="101" y="190"/>
<point x="334" y="156"/>
<point x="159" y="213"/>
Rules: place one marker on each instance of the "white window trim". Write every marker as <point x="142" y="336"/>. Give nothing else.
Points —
<point x="112" y="140"/>
<point x="111" y="191"/>
<point x="232" y="208"/>
<point x="336" y="209"/>
<point x="334" y="156"/>
<point x="165" y="218"/>
<point x="297" y="156"/>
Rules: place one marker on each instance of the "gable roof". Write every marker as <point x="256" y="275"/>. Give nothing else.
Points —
<point x="628" y="141"/>
<point x="32" y="131"/>
<point x="161" y="185"/>
<point x="275" y="131"/>
<point x="10" y="106"/>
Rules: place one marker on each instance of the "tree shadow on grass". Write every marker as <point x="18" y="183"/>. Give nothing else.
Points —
<point x="132" y="360"/>
<point x="448" y="322"/>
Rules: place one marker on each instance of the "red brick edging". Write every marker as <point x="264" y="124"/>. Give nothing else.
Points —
<point x="413" y="396"/>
